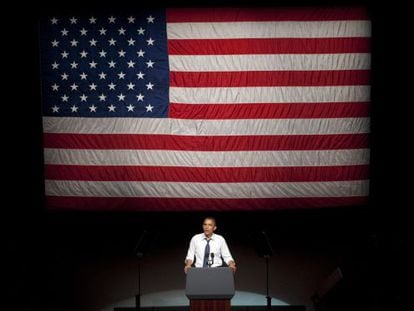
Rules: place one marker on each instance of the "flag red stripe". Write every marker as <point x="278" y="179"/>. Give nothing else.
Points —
<point x="269" y="111"/>
<point x="269" y="78"/>
<point x="202" y="174"/>
<point x="189" y="204"/>
<point x="268" y="46"/>
<point x="205" y="143"/>
<point x="265" y="14"/>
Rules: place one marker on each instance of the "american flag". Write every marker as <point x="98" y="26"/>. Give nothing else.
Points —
<point x="206" y="109"/>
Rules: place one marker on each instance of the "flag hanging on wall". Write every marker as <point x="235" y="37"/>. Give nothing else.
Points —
<point x="206" y="109"/>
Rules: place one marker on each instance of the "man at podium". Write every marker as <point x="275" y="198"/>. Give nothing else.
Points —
<point x="209" y="249"/>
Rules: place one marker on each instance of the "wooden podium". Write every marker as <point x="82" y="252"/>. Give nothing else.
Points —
<point x="209" y="289"/>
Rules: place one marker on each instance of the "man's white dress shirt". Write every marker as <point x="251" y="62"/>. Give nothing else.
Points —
<point x="218" y="246"/>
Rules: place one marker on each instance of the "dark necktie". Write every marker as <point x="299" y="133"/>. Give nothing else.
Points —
<point x="206" y="254"/>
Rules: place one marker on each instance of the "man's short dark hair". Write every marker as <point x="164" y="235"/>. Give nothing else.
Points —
<point x="211" y="218"/>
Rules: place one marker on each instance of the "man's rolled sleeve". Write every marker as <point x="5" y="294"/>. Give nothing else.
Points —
<point x="191" y="250"/>
<point x="225" y="253"/>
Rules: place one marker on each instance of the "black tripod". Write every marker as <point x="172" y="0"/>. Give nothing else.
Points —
<point x="268" y="298"/>
<point x="264" y="249"/>
<point x="138" y="295"/>
<point x="143" y="244"/>
<point x="140" y="255"/>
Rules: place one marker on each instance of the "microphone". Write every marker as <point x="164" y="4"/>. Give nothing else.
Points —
<point x="210" y="260"/>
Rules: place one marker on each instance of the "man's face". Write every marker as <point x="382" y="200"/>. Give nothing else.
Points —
<point x="208" y="227"/>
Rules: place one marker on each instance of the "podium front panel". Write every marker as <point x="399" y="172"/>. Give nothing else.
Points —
<point x="210" y="283"/>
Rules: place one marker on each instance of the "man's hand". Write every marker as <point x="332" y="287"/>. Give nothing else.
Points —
<point x="232" y="266"/>
<point x="187" y="266"/>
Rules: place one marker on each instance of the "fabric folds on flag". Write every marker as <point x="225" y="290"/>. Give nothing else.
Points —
<point x="207" y="109"/>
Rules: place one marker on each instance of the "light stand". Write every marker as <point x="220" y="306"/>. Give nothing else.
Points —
<point x="268" y="298"/>
<point x="140" y="247"/>
<point x="264" y="249"/>
<point x="138" y="295"/>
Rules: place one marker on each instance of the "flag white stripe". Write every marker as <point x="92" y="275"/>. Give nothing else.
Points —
<point x="279" y="29"/>
<point x="249" y="95"/>
<point x="206" y="190"/>
<point x="168" y="126"/>
<point x="270" y="62"/>
<point x="206" y="158"/>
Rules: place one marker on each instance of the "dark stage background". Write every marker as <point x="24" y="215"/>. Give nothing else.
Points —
<point x="44" y="250"/>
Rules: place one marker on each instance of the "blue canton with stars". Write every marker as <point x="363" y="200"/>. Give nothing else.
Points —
<point x="105" y="66"/>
